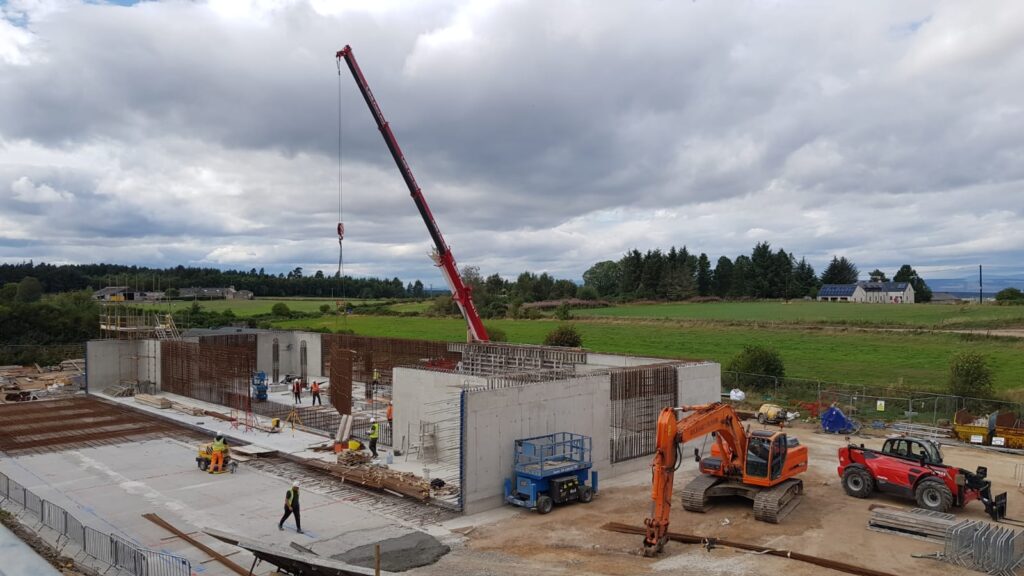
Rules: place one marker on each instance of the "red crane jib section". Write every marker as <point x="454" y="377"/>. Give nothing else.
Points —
<point x="461" y="293"/>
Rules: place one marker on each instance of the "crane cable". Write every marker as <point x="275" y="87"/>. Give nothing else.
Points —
<point x="341" y="225"/>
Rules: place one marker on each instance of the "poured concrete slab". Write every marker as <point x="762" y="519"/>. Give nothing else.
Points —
<point x="288" y="441"/>
<point x="109" y="488"/>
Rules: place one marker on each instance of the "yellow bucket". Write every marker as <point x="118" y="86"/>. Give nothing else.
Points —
<point x="353" y="445"/>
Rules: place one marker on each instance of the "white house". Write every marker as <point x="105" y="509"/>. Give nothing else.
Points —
<point x="873" y="292"/>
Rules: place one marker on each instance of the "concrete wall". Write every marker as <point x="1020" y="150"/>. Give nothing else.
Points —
<point x="496" y="418"/>
<point x="108" y="361"/>
<point x="149" y="361"/>
<point x="618" y="361"/>
<point x="101" y="362"/>
<point x="700" y="383"/>
<point x="289" y="346"/>
<point x="414" y="389"/>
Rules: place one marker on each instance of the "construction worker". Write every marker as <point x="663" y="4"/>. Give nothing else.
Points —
<point x="297" y="390"/>
<point x="220" y="446"/>
<point x="390" y="412"/>
<point x="373" y="385"/>
<point x="291" y="506"/>
<point x="315" y="389"/>
<point x="374" y="434"/>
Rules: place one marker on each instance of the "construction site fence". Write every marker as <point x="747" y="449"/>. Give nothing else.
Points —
<point x="110" y="549"/>
<point x="869" y="403"/>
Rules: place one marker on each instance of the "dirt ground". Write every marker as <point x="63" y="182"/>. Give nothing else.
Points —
<point x="827" y="523"/>
<point x="66" y="566"/>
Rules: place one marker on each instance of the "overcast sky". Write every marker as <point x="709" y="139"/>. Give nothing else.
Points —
<point x="546" y="135"/>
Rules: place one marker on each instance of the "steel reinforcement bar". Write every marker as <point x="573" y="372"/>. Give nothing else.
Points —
<point x="711" y="542"/>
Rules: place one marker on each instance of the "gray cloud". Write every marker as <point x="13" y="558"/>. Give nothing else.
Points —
<point x="546" y="136"/>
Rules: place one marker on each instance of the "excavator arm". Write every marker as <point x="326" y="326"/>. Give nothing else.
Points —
<point x="672" y="431"/>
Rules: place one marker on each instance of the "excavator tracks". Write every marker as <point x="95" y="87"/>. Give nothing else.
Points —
<point x="774" y="504"/>
<point x="695" y="495"/>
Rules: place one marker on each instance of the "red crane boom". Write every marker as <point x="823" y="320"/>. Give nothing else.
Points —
<point x="461" y="293"/>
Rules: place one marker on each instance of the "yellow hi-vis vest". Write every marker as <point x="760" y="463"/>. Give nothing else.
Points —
<point x="374" y="430"/>
<point x="219" y="445"/>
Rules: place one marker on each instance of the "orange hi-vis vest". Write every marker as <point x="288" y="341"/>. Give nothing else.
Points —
<point x="316" y="388"/>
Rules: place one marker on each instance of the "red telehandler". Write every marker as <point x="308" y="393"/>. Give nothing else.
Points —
<point x="912" y="468"/>
<point x="761" y="465"/>
<point x="461" y="294"/>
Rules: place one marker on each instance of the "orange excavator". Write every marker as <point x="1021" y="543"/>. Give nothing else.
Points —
<point x="761" y="465"/>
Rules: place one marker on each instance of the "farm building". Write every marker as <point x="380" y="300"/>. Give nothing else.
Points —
<point x="873" y="292"/>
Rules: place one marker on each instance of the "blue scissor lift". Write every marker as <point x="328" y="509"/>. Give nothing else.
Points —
<point x="259" y="386"/>
<point x="551" y="469"/>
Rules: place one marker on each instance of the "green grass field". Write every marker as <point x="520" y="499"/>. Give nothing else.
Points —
<point x="833" y="313"/>
<point x="918" y="360"/>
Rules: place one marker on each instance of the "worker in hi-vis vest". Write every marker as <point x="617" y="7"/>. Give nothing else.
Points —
<point x="220" y="446"/>
<point x="291" y="506"/>
<point x="374" y="434"/>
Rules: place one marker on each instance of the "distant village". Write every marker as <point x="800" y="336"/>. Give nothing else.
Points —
<point x="128" y="294"/>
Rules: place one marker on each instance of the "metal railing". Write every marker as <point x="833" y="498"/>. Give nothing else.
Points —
<point x="110" y="549"/>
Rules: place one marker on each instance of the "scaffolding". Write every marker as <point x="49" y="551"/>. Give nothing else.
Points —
<point x="133" y="325"/>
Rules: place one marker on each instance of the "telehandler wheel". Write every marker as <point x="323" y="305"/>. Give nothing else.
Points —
<point x="933" y="494"/>
<point x="544" y="504"/>
<point x="761" y="418"/>
<point x="858" y="482"/>
<point x="586" y="494"/>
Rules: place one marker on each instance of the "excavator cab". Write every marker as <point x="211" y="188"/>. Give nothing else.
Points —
<point x="766" y="457"/>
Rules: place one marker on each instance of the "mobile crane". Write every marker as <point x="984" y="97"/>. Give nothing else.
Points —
<point x="442" y="256"/>
<point x="761" y="466"/>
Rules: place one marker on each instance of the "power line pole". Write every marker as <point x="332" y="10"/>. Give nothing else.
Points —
<point x="979" y="284"/>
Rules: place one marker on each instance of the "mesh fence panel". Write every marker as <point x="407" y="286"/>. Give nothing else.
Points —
<point x="868" y="403"/>
<point x="110" y="549"/>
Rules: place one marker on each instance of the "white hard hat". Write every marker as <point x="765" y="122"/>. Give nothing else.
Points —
<point x="372" y="420"/>
<point x="295" y="484"/>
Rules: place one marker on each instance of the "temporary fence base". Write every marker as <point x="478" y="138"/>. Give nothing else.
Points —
<point x="101" y="551"/>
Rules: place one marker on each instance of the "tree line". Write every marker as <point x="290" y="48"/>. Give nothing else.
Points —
<point x="679" y="274"/>
<point x="31" y="326"/>
<point x="675" y="274"/>
<point x="72" y="277"/>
